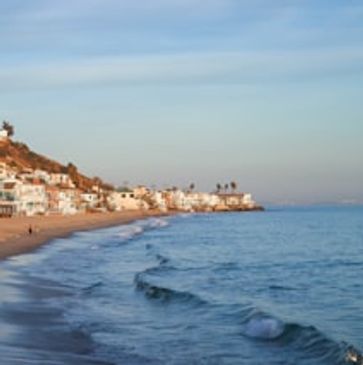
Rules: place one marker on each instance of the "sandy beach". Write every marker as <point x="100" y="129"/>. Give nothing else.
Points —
<point x="14" y="232"/>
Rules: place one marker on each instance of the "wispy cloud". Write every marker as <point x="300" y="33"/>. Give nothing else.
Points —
<point x="60" y="29"/>
<point x="238" y="67"/>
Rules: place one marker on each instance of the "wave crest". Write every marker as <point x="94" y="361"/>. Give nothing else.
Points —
<point x="153" y="291"/>
<point x="306" y="339"/>
<point x="263" y="327"/>
<point x="128" y="232"/>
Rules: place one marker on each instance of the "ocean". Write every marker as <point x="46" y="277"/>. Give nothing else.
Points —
<point x="277" y="287"/>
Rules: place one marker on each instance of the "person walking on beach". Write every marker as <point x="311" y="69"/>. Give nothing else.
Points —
<point x="30" y="230"/>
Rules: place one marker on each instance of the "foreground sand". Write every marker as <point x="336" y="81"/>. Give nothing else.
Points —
<point x="15" y="238"/>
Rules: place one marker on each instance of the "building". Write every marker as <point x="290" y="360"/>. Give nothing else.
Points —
<point x="32" y="199"/>
<point x="177" y="200"/>
<point x="141" y="191"/>
<point x="3" y="171"/>
<point x="126" y="200"/>
<point x="42" y="175"/>
<point x="53" y="199"/>
<point x="89" y="200"/>
<point x="237" y="202"/>
<point x="69" y="201"/>
<point x="7" y="209"/>
<point x="23" y="197"/>
<point x="8" y="204"/>
<point x="4" y="135"/>
<point x="156" y="200"/>
<point x="60" y="179"/>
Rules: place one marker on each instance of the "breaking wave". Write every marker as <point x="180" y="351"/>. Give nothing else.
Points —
<point x="153" y="291"/>
<point x="129" y="232"/>
<point x="157" y="222"/>
<point x="263" y="327"/>
<point x="144" y="283"/>
<point x="305" y="339"/>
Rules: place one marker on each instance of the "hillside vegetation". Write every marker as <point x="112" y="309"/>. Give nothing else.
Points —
<point x="20" y="157"/>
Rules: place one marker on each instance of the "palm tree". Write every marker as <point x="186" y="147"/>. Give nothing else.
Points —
<point x="233" y="185"/>
<point x="226" y="186"/>
<point x="191" y="187"/>
<point x="219" y="188"/>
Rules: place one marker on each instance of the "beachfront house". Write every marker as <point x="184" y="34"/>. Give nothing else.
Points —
<point x="89" y="200"/>
<point x="53" y="199"/>
<point x="125" y="200"/>
<point x="156" y="200"/>
<point x="25" y="198"/>
<point x="7" y="209"/>
<point x="177" y="200"/>
<point x="8" y="194"/>
<point x="141" y="191"/>
<point x="202" y="201"/>
<point x="69" y="201"/>
<point x="32" y="199"/>
<point x="64" y="201"/>
<point x="236" y="201"/>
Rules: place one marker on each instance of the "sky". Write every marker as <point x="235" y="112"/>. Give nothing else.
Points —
<point x="168" y="92"/>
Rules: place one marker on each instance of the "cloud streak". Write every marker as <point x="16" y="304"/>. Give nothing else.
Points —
<point x="190" y="68"/>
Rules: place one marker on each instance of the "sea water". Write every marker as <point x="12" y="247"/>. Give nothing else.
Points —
<point x="277" y="287"/>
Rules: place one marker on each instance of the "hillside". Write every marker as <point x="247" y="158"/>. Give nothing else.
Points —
<point x="20" y="157"/>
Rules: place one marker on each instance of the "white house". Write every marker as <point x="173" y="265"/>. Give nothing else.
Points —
<point x="4" y="135"/>
<point x="157" y="201"/>
<point x="239" y="201"/>
<point x="89" y="200"/>
<point x="68" y="201"/>
<point x="33" y="199"/>
<point x="126" y="200"/>
<point x="42" y="175"/>
<point x="27" y="199"/>
<point x="202" y="201"/>
<point x="61" y="179"/>
<point x="177" y="200"/>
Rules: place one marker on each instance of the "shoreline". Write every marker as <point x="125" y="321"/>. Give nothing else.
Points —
<point x="15" y="238"/>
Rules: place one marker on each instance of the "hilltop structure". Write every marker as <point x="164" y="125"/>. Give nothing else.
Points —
<point x="4" y="135"/>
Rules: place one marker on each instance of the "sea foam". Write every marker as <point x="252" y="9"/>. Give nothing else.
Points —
<point x="264" y="328"/>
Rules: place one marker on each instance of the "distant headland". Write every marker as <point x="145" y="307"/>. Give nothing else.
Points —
<point x="32" y="184"/>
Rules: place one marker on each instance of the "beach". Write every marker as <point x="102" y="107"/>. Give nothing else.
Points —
<point x="16" y="239"/>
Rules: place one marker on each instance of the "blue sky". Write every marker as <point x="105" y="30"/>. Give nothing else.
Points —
<point x="267" y="93"/>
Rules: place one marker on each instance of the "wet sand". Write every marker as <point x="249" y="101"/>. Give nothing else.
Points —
<point x="14" y="232"/>
<point x="33" y="325"/>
